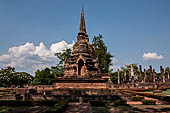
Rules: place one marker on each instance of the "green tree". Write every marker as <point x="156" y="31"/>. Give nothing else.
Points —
<point x="63" y="55"/>
<point x="43" y="77"/>
<point x="21" y="78"/>
<point x="59" y="68"/>
<point x="128" y="67"/>
<point x="8" y="77"/>
<point x="167" y="70"/>
<point x="46" y="76"/>
<point x="101" y="53"/>
<point x="114" y="76"/>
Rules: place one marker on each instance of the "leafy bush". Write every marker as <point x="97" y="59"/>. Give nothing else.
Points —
<point x="137" y="98"/>
<point x="149" y="102"/>
<point x="119" y="102"/>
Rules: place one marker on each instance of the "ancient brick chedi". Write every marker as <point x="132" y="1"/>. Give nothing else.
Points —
<point x="82" y="63"/>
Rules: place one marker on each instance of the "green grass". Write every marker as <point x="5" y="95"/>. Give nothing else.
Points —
<point x="147" y="92"/>
<point x="167" y="92"/>
<point x="3" y="93"/>
<point x="4" y="109"/>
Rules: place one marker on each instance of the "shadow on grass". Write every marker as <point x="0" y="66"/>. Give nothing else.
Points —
<point x="4" y="109"/>
<point x="139" y="108"/>
<point x="37" y="109"/>
<point x="164" y="109"/>
<point x="100" y="110"/>
<point x="125" y="108"/>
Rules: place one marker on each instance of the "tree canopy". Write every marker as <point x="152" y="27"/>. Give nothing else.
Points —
<point x="59" y="68"/>
<point x="47" y="75"/>
<point x="43" y="77"/>
<point x="101" y="53"/>
<point x="9" y="77"/>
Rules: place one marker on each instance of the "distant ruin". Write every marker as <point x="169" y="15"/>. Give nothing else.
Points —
<point x="82" y="78"/>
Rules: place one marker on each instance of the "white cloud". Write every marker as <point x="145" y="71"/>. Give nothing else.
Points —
<point x="60" y="46"/>
<point x="152" y="56"/>
<point x="115" y="66"/>
<point x="29" y="57"/>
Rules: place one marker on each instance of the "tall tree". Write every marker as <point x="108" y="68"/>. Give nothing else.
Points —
<point x="59" y="68"/>
<point x="43" y="77"/>
<point x="21" y="78"/>
<point x="8" y="77"/>
<point x="5" y="76"/>
<point x="46" y="76"/>
<point x="63" y="55"/>
<point x="101" y="53"/>
<point x="167" y="70"/>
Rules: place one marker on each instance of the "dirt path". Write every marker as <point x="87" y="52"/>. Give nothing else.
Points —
<point x="79" y="108"/>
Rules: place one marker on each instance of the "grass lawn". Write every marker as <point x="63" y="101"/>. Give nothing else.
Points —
<point x="146" y="91"/>
<point x="167" y="92"/>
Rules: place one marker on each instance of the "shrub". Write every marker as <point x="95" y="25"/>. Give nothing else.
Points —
<point x="119" y="102"/>
<point x="137" y="98"/>
<point x="149" y="102"/>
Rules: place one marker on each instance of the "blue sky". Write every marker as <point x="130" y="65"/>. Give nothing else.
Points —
<point x="130" y="28"/>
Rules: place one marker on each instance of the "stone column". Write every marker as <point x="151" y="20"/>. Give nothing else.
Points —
<point x="144" y="80"/>
<point x="151" y="74"/>
<point x="140" y="70"/>
<point x="168" y="76"/>
<point x="124" y="76"/>
<point x="154" y="76"/>
<point x="81" y="99"/>
<point x="161" y="74"/>
<point x="129" y="75"/>
<point x="118" y="77"/>
<point x="162" y="78"/>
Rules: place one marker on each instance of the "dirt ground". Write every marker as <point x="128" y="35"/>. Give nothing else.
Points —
<point x="110" y="109"/>
<point x="34" y="109"/>
<point x="133" y="109"/>
<point x="140" y="108"/>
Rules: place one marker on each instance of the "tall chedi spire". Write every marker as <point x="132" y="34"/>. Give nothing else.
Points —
<point x="82" y="63"/>
<point x="82" y="31"/>
<point x="82" y="22"/>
